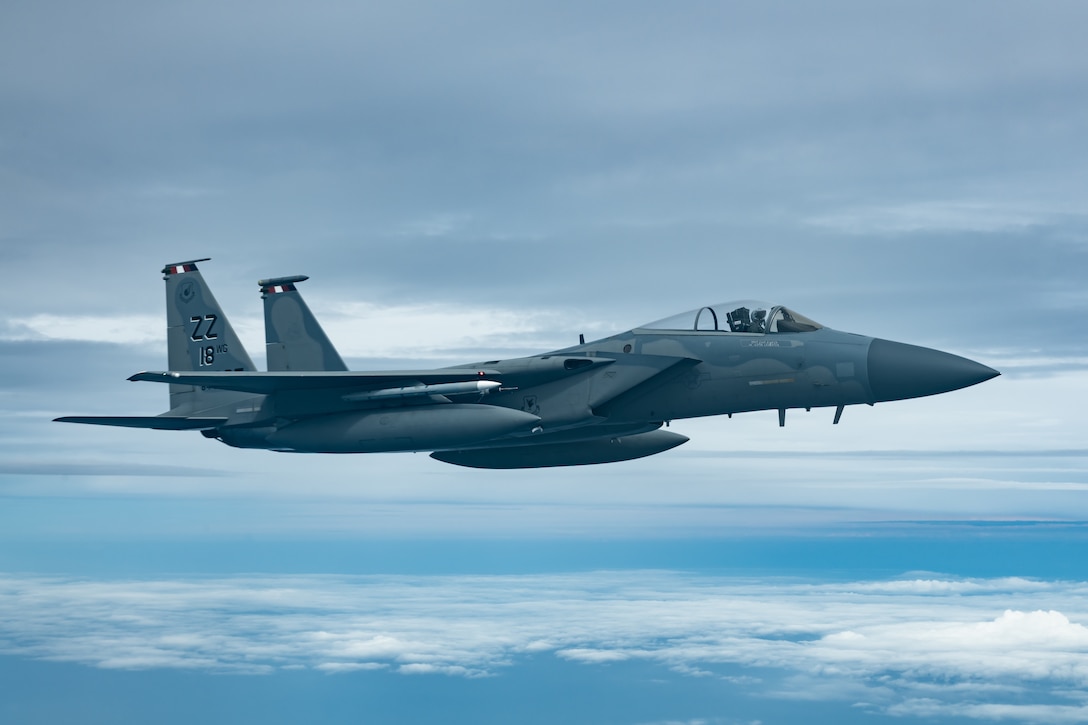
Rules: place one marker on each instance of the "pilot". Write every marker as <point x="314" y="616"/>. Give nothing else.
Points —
<point x="739" y="319"/>
<point x="759" y="321"/>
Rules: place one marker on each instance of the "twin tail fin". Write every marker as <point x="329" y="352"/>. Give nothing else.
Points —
<point x="294" y="340"/>
<point x="199" y="337"/>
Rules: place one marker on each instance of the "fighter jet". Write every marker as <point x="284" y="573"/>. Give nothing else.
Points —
<point x="594" y="402"/>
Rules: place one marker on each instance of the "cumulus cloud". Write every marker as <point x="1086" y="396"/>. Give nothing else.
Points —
<point x="932" y="647"/>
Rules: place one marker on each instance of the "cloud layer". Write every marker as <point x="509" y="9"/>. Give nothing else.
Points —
<point x="930" y="646"/>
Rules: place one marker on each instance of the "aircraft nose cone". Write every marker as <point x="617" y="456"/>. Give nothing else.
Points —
<point x="898" y="371"/>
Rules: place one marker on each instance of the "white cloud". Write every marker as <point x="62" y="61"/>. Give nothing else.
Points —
<point x="118" y="329"/>
<point x="433" y="330"/>
<point x="420" y="668"/>
<point x="933" y="647"/>
<point x="342" y="666"/>
<point x="1035" y="713"/>
<point x="1037" y="645"/>
<point x="942" y="216"/>
<point x="437" y="225"/>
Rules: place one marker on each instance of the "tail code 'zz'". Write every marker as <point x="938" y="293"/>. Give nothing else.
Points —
<point x="198" y="337"/>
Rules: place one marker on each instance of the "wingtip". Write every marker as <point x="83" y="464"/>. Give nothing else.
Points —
<point x="147" y="375"/>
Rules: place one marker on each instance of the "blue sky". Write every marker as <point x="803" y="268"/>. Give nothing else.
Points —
<point x="488" y="180"/>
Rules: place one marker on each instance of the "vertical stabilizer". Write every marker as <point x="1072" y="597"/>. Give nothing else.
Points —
<point x="293" y="337"/>
<point x="198" y="337"/>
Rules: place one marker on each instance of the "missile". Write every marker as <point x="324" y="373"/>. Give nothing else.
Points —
<point x="480" y="387"/>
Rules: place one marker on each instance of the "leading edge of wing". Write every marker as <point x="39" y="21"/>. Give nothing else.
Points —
<point x="268" y="383"/>
<point x="152" y="422"/>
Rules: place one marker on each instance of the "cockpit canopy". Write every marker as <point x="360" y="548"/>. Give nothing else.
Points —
<point x="740" y="316"/>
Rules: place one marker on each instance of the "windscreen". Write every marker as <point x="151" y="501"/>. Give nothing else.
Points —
<point x="748" y="316"/>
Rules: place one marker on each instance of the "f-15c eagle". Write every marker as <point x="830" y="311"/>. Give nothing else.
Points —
<point x="595" y="402"/>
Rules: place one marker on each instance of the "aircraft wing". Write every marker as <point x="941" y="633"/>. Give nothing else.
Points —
<point x="155" y="422"/>
<point x="636" y="373"/>
<point x="646" y="373"/>
<point x="276" y="382"/>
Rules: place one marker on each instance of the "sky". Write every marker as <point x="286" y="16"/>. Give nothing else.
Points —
<point x="484" y="180"/>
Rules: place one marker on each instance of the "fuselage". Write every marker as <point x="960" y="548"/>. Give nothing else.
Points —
<point x="626" y="384"/>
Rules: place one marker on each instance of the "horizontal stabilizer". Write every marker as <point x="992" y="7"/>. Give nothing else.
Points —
<point x="268" y="383"/>
<point x="153" y="422"/>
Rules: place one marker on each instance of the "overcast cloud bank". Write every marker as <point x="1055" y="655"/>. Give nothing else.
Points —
<point x="985" y="648"/>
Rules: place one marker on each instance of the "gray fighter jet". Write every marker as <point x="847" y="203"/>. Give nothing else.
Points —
<point x="595" y="402"/>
